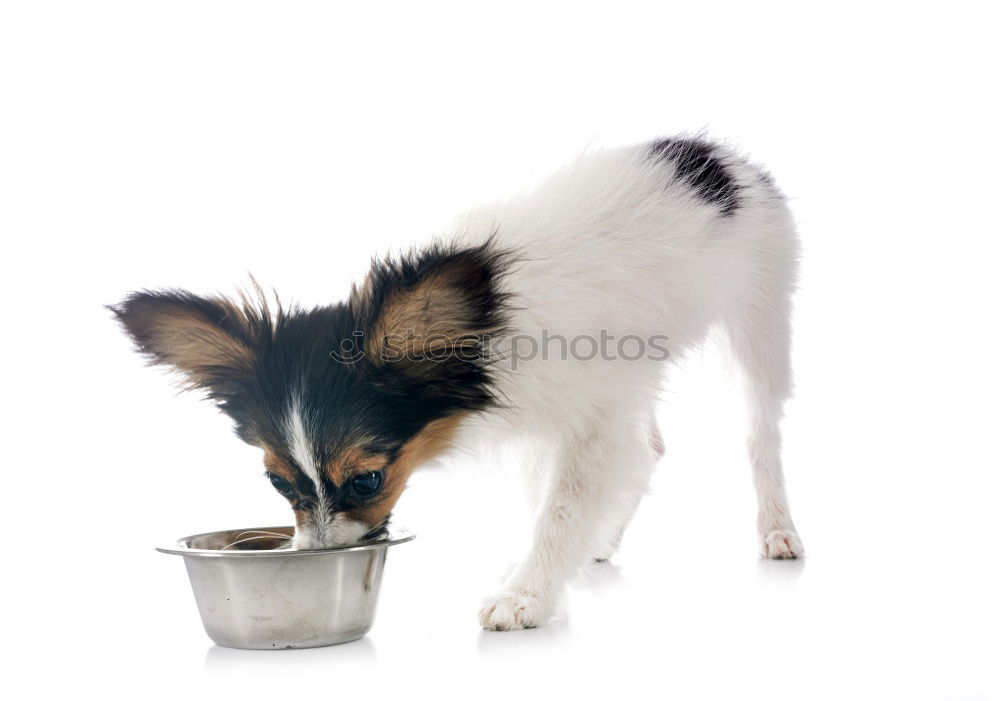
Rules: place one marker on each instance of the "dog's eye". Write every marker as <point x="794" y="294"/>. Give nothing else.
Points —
<point x="283" y="486"/>
<point x="366" y="485"/>
<point x="304" y="505"/>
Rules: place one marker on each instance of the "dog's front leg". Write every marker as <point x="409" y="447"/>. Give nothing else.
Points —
<point x="568" y="520"/>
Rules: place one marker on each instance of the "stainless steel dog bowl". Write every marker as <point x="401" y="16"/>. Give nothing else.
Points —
<point x="253" y="594"/>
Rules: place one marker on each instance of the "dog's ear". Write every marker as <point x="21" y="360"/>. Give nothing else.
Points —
<point x="429" y="321"/>
<point x="212" y="341"/>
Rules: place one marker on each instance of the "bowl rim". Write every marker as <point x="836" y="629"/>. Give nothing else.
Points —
<point x="395" y="536"/>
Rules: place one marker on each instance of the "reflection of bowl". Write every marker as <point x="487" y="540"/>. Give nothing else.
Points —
<point x="251" y="593"/>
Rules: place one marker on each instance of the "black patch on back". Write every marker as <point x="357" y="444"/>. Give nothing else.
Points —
<point x="697" y="165"/>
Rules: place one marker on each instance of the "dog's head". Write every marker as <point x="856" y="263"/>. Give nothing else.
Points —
<point x="345" y="400"/>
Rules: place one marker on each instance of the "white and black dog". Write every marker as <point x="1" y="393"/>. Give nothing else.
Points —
<point x="549" y="313"/>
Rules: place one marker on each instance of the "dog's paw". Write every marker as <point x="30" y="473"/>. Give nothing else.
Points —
<point x="781" y="544"/>
<point x="512" y="610"/>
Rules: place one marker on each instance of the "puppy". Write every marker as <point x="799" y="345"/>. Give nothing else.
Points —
<point x="550" y="315"/>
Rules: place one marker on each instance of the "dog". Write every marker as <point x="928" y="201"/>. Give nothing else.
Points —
<point x="551" y="315"/>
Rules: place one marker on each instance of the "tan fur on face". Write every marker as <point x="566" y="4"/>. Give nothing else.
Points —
<point x="274" y="463"/>
<point x="302" y="518"/>
<point x="353" y="461"/>
<point x="426" y="445"/>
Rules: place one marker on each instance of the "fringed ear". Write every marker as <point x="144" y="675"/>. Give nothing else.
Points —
<point x="428" y="319"/>
<point x="212" y="341"/>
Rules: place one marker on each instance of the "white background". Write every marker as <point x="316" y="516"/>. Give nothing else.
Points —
<point x="189" y="143"/>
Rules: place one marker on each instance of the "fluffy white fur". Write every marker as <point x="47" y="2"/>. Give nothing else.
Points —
<point x="613" y="242"/>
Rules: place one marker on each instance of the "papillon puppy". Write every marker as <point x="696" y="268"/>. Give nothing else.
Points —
<point x="550" y="316"/>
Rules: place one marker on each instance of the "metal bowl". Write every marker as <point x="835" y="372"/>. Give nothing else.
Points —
<point x="254" y="594"/>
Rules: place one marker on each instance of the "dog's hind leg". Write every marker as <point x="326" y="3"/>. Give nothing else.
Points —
<point x="760" y="335"/>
